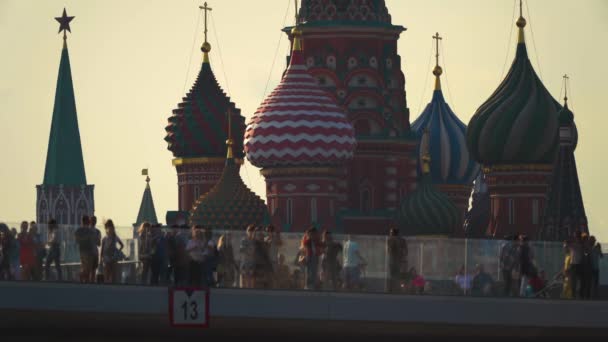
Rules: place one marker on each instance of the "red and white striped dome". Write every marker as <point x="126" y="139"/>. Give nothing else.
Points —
<point x="299" y="124"/>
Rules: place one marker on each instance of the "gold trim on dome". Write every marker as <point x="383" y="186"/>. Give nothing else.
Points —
<point x="517" y="167"/>
<point x="454" y="187"/>
<point x="202" y="160"/>
<point x="296" y="171"/>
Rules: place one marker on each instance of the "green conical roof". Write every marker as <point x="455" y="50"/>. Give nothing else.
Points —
<point x="64" y="162"/>
<point x="146" y="209"/>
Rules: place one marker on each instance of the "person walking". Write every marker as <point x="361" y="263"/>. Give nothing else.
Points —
<point x="353" y="263"/>
<point x="396" y="247"/>
<point x="526" y="264"/>
<point x="227" y="267"/>
<point x="14" y="255"/>
<point x="27" y="253"/>
<point x="576" y="264"/>
<point x="566" y="274"/>
<point x="273" y="243"/>
<point x="596" y="255"/>
<point x="330" y="265"/>
<point x="54" y="251"/>
<point x="111" y="252"/>
<point x="5" y="247"/>
<point x="95" y="245"/>
<point x="84" y="239"/>
<point x="312" y="246"/>
<point x="146" y="251"/>
<point x="247" y="255"/>
<point x="508" y="263"/>
<point x="195" y="249"/>
<point x="39" y="251"/>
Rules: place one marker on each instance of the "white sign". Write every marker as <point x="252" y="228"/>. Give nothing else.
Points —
<point x="189" y="307"/>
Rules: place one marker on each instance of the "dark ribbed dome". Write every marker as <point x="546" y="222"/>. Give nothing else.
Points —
<point x="230" y="204"/>
<point x="518" y="124"/>
<point x="568" y="130"/>
<point x="198" y="127"/>
<point x="427" y="211"/>
<point x="343" y="12"/>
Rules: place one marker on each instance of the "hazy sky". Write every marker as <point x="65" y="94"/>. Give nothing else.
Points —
<point x="130" y="65"/>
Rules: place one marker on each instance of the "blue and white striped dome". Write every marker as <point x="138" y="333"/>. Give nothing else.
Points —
<point x="452" y="163"/>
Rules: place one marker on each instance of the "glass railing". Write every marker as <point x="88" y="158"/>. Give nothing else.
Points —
<point x="434" y="266"/>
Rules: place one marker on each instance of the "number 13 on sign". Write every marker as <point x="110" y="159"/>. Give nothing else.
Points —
<point x="189" y="307"/>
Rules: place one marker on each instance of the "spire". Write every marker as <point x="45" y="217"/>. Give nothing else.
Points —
<point x="146" y="208"/>
<point x="521" y="23"/>
<point x="437" y="71"/>
<point x="206" y="46"/>
<point x="566" y="79"/>
<point x="64" y="161"/>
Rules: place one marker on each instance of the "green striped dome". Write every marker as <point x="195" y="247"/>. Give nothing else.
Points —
<point x="427" y="211"/>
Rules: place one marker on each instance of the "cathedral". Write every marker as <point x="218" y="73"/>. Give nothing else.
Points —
<point x="336" y="148"/>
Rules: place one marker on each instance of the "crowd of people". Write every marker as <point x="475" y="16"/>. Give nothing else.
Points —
<point x="195" y="257"/>
<point x="579" y="277"/>
<point x="26" y="256"/>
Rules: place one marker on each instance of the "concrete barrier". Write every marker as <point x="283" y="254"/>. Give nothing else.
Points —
<point x="302" y="305"/>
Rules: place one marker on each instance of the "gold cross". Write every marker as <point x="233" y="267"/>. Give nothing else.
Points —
<point x="437" y="39"/>
<point x="205" y="8"/>
<point x="295" y="2"/>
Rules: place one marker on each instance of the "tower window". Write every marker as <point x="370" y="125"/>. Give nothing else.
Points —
<point x="313" y="210"/>
<point x="511" y="207"/>
<point x="366" y="200"/>
<point x="289" y="211"/>
<point x="197" y="193"/>
<point x="535" y="211"/>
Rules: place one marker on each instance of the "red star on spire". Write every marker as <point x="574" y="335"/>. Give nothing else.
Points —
<point x="64" y="22"/>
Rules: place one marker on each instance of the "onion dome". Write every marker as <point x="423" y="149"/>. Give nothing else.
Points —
<point x="197" y="127"/>
<point x="427" y="211"/>
<point x="343" y="12"/>
<point x="452" y="163"/>
<point x="299" y="124"/>
<point x="518" y="124"/>
<point x="568" y="133"/>
<point x="230" y="204"/>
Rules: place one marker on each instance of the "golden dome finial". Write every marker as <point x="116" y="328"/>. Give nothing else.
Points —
<point x="521" y="23"/>
<point x="297" y="39"/>
<point x="206" y="46"/>
<point x="437" y="71"/>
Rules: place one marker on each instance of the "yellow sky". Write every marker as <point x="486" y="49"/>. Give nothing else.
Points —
<point x="130" y="64"/>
